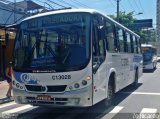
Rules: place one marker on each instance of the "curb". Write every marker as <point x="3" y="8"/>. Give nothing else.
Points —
<point x="6" y="100"/>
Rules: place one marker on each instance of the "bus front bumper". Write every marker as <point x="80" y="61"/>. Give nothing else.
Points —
<point x="77" y="98"/>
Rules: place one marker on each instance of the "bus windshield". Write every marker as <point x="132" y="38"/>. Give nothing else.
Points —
<point x="55" y="42"/>
<point x="148" y="53"/>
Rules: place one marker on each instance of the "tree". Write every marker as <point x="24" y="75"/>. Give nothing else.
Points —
<point x="127" y="20"/>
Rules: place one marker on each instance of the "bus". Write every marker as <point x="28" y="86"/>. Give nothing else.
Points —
<point x="73" y="57"/>
<point x="149" y="56"/>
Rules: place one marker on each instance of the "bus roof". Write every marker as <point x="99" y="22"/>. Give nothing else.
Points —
<point x="91" y="11"/>
<point x="147" y="45"/>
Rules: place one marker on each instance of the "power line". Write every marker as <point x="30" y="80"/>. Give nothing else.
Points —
<point x="137" y="5"/>
<point x="112" y="3"/>
<point x="45" y="3"/>
<point x="56" y="3"/>
<point x="70" y="5"/>
<point x="80" y="4"/>
<point x="141" y="5"/>
<point x="131" y="5"/>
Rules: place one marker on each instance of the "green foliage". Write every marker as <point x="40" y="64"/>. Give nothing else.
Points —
<point x="127" y="20"/>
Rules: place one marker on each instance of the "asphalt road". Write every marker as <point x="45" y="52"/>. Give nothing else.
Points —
<point x="130" y="103"/>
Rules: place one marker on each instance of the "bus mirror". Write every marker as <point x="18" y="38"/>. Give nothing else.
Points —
<point x="95" y="67"/>
<point x="7" y="38"/>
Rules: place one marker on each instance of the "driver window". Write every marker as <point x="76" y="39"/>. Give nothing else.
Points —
<point x="98" y="39"/>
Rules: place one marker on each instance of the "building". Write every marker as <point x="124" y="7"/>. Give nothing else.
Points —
<point x="12" y="13"/>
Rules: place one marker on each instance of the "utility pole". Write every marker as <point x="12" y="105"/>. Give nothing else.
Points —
<point x="118" y="9"/>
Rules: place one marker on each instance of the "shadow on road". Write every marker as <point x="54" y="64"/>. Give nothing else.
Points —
<point x="149" y="70"/>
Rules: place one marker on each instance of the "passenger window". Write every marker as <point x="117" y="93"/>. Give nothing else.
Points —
<point x="121" y="40"/>
<point x="110" y="37"/>
<point x="98" y="42"/>
<point x="134" y="44"/>
<point x="102" y="47"/>
<point x="128" y="43"/>
<point x="138" y="46"/>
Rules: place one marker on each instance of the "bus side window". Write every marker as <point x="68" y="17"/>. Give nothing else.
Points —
<point x="129" y="44"/>
<point x="121" y="39"/>
<point x="98" y="39"/>
<point x="134" y="44"/>
<point x="110" y="37"/>
<point x="95" y="42"/>
<point x="137" y="45"/>
<point x="125" y="41"/>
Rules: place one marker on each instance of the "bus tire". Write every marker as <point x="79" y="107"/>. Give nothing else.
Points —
<point x="135" y="84"/>
<point x="110" y="93"/>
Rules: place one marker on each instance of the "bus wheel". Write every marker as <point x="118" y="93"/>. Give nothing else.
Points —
<point x="110" y="94"/>
<point x="135" y="84"/>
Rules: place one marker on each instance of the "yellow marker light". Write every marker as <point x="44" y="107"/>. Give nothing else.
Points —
<point x="88" y="78"/>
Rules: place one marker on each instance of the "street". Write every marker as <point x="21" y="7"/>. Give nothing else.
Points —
<point x="129" y="103"/>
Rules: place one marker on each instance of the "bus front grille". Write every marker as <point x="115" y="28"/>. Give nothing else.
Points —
<point x="39" y="88"/>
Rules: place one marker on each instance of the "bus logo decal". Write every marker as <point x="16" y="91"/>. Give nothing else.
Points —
<point x="26" y="78"/>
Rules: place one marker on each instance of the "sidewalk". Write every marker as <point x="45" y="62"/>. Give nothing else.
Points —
<point x="3" y="90"/>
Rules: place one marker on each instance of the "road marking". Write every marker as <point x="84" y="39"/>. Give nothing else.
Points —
<point x="112" y="113"/>
<point x="8" y="104"/>
<point x="149" y="110"/>
<point x="141" y="93"/>
<point x="16" y="110"/>
<point x="147" y="113"/>
<point x="116" y="109"/>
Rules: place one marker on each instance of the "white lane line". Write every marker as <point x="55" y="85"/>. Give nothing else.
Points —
<point x="141" y="93"/>
<point x="147" y="113"/>
<point x="149" y="110"/>
<point x="7" y="104"/>
<point x="116" y="109"/>
<point x="16" y="110"/>
<point x="112" y="113"/>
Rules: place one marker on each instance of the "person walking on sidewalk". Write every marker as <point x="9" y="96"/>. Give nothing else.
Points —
<point x="9" y="79"/>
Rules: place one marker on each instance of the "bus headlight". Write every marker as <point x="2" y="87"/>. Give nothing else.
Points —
<point x="80" y="84"/>
<point x="13" y="82"/>
<point x="76" y="85"/>
<point x="17" y="85"/>
<point x="70" y="87"/>
<point x="84" y="82"/>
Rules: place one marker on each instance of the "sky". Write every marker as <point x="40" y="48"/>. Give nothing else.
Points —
<point x="147" y="7"/>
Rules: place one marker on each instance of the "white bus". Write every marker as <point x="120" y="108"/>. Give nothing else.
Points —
<point x="75" y="57"/>
<point x="149" y="56"/>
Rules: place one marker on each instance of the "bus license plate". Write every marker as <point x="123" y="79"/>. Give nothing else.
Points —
<point x="44" y="97"/>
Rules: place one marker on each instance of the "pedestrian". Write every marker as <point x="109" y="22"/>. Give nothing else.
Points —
<point x="9" y="79"/>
